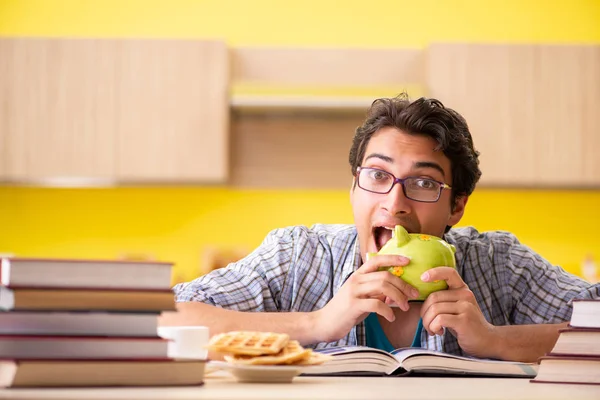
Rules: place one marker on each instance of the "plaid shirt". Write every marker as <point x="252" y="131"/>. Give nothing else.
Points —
<point x="301" y="269"/>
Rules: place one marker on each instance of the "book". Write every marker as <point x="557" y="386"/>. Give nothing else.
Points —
<point x="81" y="347"/>
<point x="568" y="369"/>
<point x="79" y="323"/>
<point x="586" y="314"/>
<point x="56" y="373"/>
<point x="358" y="360"/>
<point x="67" y="273"/>
<point x="577" y="341"/>
<point x="57" y="299"/>
<point x="575" y="357"/>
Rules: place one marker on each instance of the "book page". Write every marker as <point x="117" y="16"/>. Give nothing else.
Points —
<point x="423" y="360"/>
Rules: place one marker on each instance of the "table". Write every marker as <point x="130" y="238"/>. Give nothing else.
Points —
<point x="223" y="387"/>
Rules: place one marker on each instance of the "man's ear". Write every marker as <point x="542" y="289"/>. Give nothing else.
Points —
<point x="352" y="189"/>
<point x="458" y="210"/>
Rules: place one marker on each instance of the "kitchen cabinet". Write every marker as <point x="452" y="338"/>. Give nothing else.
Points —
<point x="306" y="149"/>
<point x="174" y="119"/>
<point x="295" y="111"/>
<point x="532" y="109"/>
<point x="57" y="119"/>
<point x="114" y="110"/>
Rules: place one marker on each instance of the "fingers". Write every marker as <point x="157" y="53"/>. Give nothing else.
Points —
<point x="402" y="285"/>
<point x="382" y="286"/>
<point x="450" y="275"/>
<point x="381" y="261"/>
<point x="463" y="294"/>
<point x="380" y="290"/>
<point x="442" y="321"/>
<point x="379" y="307"/>
<point x="437" y="313"/>
<point x="407" y="291"/>
<point x="369" y="270"/>
<point x="453" y="320"/>
<point x="451" y="315"/>
<point x="441" y="301"/>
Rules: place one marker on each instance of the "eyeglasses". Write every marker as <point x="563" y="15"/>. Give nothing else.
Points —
<point x="419" y="189"/>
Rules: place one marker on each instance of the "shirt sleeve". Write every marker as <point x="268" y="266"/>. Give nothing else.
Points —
<point x="542" y="292"/>
<point x="252" y="284"/>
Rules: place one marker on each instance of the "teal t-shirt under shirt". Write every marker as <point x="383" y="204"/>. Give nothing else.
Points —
<point x="376" y="337"/>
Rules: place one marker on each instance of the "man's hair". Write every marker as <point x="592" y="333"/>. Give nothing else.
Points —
<point x="426" y="117"/>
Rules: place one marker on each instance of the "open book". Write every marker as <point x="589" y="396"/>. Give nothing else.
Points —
<point x="357" y="360"/>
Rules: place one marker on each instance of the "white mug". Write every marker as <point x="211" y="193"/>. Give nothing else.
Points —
<point x="186" y="341"/>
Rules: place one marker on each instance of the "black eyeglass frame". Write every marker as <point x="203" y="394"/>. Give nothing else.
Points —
<point x="401" y="182"/>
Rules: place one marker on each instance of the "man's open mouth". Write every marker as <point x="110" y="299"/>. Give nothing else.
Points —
<point x="382" y="234"/>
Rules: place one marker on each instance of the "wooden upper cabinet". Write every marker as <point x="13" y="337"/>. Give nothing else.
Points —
<point x="567" y="102"/>
<point x="173" y="111"/>
<point x="116" y="109"/>
<point x="57" y="114"/>
<point x="532" y="109"/>
<point x="302" y="141"/>
<point x="3" y="152"/>
<point x="292" y="150"/>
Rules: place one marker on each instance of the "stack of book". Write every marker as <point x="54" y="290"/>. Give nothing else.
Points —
<point x="87" y="323"/>
<point x="575" y="357"/>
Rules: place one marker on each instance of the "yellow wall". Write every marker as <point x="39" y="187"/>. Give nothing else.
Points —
<point x="383" y="23"/>
<point x="177" y="223"/>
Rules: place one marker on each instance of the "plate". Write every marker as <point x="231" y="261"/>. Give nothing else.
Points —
<point x="259" y="373"/>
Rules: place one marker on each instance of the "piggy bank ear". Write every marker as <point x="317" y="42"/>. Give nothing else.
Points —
<point x="401" y="235"/>
<point x="453" y="248"/>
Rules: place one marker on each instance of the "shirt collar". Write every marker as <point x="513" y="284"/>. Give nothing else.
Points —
<point x="353" y="262"/>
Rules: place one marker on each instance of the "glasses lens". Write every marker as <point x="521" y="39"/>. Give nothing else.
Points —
<point x="375" y="180"/>
<point x="422" y="189"/>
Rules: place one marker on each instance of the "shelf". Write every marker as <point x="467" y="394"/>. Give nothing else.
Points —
<point x="325" y="103"/>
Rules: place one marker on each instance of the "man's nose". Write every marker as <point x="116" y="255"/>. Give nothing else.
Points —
<point x="396" y="202"/>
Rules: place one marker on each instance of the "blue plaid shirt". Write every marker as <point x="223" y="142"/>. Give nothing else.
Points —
<point x="301" y="269"/>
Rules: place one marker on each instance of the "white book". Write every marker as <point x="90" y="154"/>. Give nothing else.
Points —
<point x="586" y="314"/>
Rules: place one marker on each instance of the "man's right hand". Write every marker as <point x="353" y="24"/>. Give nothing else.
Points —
<point x="367" y="290"/>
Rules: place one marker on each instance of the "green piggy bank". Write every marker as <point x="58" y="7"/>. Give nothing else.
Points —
<point x="425" y="252"/>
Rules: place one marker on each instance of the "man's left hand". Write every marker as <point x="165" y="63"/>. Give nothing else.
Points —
<point x="456" y="309"/>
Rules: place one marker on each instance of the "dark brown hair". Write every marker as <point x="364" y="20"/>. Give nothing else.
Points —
<point x="427" y="117"/>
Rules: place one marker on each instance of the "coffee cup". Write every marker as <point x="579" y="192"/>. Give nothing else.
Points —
<point x="186" y="342"/>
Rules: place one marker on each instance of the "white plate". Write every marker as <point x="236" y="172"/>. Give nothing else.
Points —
<point x="259" y="373"/>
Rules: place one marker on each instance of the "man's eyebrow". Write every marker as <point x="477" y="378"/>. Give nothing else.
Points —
<point x="429" y="164"/>
<point x="381" y="157"/>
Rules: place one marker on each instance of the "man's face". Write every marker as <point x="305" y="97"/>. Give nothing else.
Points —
<point x="403" y="155"/>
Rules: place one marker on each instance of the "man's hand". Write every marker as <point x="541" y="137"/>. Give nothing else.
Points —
<point x="456" y="309"/>
<point x="366" y="290"/>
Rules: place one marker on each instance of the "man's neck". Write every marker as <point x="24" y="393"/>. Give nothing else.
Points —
<point x="401" y="332"/>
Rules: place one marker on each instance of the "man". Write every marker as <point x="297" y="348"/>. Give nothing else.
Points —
<point x="413" y="164"/>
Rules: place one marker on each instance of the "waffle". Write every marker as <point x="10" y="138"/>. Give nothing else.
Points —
<point x="248" y="343"/>
<point x="292" y="353"/>
<point x="315" y="359"/>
